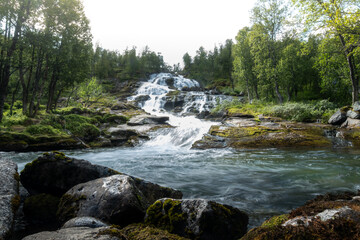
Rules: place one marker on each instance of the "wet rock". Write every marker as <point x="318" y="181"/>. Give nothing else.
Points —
<point x="338" y="118"/>
<point x="197" y="219"/>
<point x="118" y="199"/>
<point x="9" y="196"/>
<point x="147" y="119"/>
<point x="89" y="222"/>
<point x="78" y="233"/>
<point x="54" y="173"/>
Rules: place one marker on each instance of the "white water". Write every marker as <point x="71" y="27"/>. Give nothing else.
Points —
<point x="187" y="129"/>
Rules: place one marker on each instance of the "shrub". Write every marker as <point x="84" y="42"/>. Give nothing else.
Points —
<point x="41" y="129"/>
<point x="18" y="104"/>
<point x="86" y="131"/>
<point x="6" y="106"/>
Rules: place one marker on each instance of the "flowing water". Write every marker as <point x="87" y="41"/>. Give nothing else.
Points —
<point x="262" y="182"/>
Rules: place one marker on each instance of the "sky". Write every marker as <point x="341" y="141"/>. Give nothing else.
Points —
<point x="170" y="27"/>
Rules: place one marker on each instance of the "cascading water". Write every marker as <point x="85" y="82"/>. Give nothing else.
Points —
<point x="162" y="95"/>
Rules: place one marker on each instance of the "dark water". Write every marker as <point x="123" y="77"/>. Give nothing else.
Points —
<point x="261" y="182"/>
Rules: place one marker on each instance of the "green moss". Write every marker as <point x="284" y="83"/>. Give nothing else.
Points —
<point x="141" y="232"/>
<point x="69" y="206"/>
<point x="41" y="207"/>
<point x="166" y="215"/>
<point x="15" y="203"/>
<point x="173" y="93"/>
<point x="113" y="232"/>
<point x="42" y="129"/>
<point x="275" y="221"/>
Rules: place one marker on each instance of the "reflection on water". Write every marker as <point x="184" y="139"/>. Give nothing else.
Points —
<point x="261" y="182"/>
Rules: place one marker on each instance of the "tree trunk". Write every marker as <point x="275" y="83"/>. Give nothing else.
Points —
<point x="281" y="100"/>
<point x="13" y="97"/>
<point x="352" y="69"/>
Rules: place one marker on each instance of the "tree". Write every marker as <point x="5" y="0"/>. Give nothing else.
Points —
<point x="340" y="19"/>
<point x="269" y="18"/>
<point x="244" y="71"/>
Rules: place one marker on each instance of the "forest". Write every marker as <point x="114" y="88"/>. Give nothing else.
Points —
<point x="297" y="50"/>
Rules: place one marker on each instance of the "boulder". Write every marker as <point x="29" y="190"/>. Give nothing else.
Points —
<point x="197" y="219"/>
<point x="54" y="173"/>
<point x="78" y="233"/>
<point x="147" y="119"/>
<point x="338" y="118"/>
<point x="9" y="196"/>
<point x="353" y="114"/>
<point x="356" y="106"/>
<point x="330" y="216"/>
<point x="89" y="222"/>
<point x="118" y="199"/>
<point x="351" y="123"/>
<point x="41" y="210"/>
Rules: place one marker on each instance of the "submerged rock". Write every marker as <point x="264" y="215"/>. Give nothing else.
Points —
<point x="54" y="173"/>
<point x="118" y="199"/>
<point x="9" y="196"/>
<point x="197" y="218"/>
<point x="147" y="119"/>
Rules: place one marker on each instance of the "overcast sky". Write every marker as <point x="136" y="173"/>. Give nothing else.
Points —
<point x="166" y="26"/>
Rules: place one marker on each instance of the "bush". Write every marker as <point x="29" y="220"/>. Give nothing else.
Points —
<point x="86" y="131"/>
<point x="304" y="112"/>
<point x="6" y="106"/>
<point x="16" y="119"/>
<point x="41" y="129"/>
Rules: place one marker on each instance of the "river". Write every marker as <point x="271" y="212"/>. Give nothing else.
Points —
<point x="263" y="183"/>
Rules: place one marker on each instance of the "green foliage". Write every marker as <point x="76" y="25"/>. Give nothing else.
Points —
<point x="18" y="118"/>
<point x="42" y="130"/>
<point x="90" y="92"/>
<point x="304" y="112"/>
<point x="18" y="104"/>
<point x="6" y="106"/>
<point x="81" y="126"/>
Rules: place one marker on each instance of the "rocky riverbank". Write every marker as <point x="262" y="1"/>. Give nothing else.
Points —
<point x="57" y="197"/>
<point x="66" y="198"/>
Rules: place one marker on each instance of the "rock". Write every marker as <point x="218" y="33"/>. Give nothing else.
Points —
<point x="41" y="209"/>
<point x="89" y="222"/>
<point x="353" y="114"/>
<point x="140" y="231"/>
<point x="78" y="233"/>
<point x="330" y="216"/>
<point x="9" y="196"/>
<point x="244" y="134"/>
<point x="356" y="106"/>
<point x="197" y="219"/>
<point x="338" y="118"/>
<point x="118" y="199"/>
<point x="351" y="123"/>
<point x="54" y="173"/>
<point x="124" y="136"/>
<point x="147" y="119"/>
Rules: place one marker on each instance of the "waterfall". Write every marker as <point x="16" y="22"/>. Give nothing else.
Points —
<point x="181" y="99"/>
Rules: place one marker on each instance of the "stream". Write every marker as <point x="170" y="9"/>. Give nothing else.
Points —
<point x="263" y="182"/>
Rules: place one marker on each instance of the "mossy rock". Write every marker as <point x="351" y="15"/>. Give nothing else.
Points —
<point x="141" y="232"/>
<point x="41" y="208"/>
<point x="197" y="219"/>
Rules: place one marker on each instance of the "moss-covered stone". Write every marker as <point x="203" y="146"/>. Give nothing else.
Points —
<point x="68" y="207"/>
<point x="142" y="232"/>
<point x="41" y="208"/>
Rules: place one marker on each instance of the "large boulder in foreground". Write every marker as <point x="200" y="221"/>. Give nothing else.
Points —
<point x="54" y="173"/>
<point x="197" y="219"/>
<point x="9" y="196"/>
<point x="330" y="217"/>
<point x="117" y="199"/>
